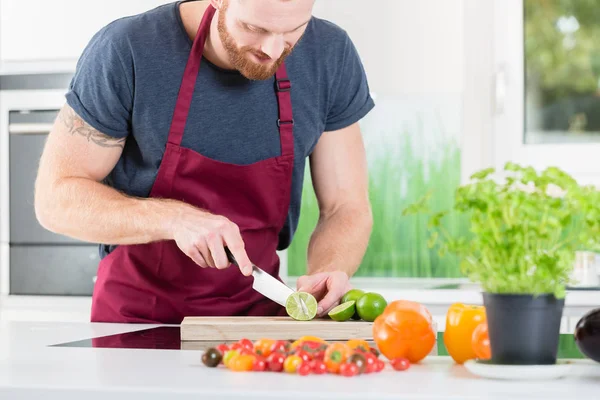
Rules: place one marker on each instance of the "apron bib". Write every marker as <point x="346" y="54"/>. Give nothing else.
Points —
<point x="156" y="282"/>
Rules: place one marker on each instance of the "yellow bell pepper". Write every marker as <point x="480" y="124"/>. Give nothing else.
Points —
<point x="461" y="321"/>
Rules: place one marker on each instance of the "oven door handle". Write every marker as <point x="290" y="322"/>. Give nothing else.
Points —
<point x="29" y="128"/>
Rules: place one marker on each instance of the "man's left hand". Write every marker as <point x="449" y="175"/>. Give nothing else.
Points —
<point x="327" y="287"/>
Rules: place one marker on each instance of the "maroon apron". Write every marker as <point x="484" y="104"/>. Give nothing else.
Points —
<point x="156" y="282"/>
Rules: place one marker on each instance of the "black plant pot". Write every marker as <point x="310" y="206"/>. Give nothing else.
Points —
<point x="523" y="329"/>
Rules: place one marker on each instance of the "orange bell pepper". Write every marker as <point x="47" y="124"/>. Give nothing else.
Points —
<point x="404" y="330"/>
<point x="461" y="321"/>
<point x="481" y="342"/>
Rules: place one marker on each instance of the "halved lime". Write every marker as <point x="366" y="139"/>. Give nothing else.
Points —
<point x="294" y="307"/>
<point x="343" y="312"/>
<point x="353" y="294"/>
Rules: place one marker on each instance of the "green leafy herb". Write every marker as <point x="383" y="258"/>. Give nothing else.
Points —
<point x="524" y="229"/>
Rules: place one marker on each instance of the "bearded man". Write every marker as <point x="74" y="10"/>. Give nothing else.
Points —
<point x="185" y="132"/>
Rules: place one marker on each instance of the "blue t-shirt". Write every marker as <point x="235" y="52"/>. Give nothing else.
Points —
<point x="126" y="84"/>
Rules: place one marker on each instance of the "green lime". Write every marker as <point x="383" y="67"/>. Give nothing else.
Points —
<point x="294" y="307"/>
<point x="370" y="306"/>
<point x="352" y="295"/>
<point x="343" y="312"/>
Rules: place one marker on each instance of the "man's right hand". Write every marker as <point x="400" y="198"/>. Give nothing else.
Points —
<point x="202" y="236"/>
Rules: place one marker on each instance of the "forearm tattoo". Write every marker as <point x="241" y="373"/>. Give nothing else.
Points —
<point x="77" y="126"/>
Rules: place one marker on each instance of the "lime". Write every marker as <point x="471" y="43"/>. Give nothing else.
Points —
<point x="343" y="312"/>
<point x="294" y="308"/>
<point x="370" y="306"/>
<point x="352" y="294"/>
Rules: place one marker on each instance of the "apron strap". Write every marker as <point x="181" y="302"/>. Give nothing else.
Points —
<point x="283" y="88"/>
<point x="188" y="84"/>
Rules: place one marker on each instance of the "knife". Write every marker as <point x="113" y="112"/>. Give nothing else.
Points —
<point x="267" y="285"/>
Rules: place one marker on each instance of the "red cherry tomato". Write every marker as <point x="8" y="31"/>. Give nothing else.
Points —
<point x="275" y="361"/>
<point x="236" y="346"/>
<point x="260" y="364"/>
<point x="319" y="355"/>
<point x="304" y="355"/>
<point x="247" y="344"/>
<point x="223" y="348"/>
<point x="304" y="369"/>
<point x="348" y="369"/>
<point x="379" y="366"/>
<point x="319" y="367"/>
<point x="280" y="346"/>
<point x="400" y="364"/>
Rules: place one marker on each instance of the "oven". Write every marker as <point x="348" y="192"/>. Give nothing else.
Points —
<point x="33" y="260"/>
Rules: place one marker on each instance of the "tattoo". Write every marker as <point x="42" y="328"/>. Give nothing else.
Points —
<point x="77" y="126"/>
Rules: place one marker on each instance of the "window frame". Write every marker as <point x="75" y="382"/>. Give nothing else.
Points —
<point x="508" y="127"/>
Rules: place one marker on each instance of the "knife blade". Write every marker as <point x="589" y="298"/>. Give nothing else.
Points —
<point x="266" y="284"/>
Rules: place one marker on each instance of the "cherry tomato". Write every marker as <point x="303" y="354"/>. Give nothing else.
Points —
<point x="280" y="346"/>
<point x="318" y="367"/>
<point x="305" y="356"/>
<point x="242" y="363"/>
<point x="304" y="368"/>
<point x="291" y="364"/>
<point x="400" y="363"/>
<point x="348" y="369"/>
<point x="260" y="364"/>
<point x="379" y="366"/>
<point x="359" y="360"/>
<point x="319" y="355"/>
<point x="229" y="355"/>
<point x="370" y="363"/>
<point x="264" y="347"/>
<point x="223" y="348"/>
<point x="247" y="344"/>
<point x="245" y="352"/>
<point x="275" y="361"/>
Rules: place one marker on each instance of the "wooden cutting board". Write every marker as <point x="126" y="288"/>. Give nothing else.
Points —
<point x="280" y="328"/>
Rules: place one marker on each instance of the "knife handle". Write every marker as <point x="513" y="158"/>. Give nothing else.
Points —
<point x="230" y="256"/>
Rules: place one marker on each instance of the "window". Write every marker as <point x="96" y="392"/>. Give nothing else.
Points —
<point x="547" y="92"/>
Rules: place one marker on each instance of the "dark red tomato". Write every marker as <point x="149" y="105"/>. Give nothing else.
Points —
<point x="319" y="367"/>
<point x="379" y="366"/>
<point x="260" y="364"/>
<point x="223" y="348"/>
<point x="370" y="361"/>
<point x="400" y="364"/>
<point x="348" y="369"/>
<point x="275" y="361"/>
<point x="304" y="368"/>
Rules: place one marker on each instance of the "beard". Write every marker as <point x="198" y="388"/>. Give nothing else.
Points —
<point x="239" y="56"/>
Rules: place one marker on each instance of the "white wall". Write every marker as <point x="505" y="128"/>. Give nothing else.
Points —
<point x="407" y="46"/>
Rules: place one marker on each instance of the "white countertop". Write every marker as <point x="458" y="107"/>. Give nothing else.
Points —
<point x="31" y="369"/>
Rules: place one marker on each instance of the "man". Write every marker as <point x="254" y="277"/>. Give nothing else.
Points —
<point x="186" y="131"/>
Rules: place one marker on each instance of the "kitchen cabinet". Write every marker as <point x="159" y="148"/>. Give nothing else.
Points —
<point x="58" y="30"/>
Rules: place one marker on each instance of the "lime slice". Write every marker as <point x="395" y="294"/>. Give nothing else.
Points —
<point x="343" y="312"/>
<point x="295" y="308"/>
<point x="352" y="294"/>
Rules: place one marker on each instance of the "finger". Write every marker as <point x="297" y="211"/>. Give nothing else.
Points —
<point x="206" y="255"/>
<point x="235" y="243"/>
<point x="215" y="245"/>
<point x="312" y="284"/>
<point x="195" y="255"/>
<point x="336" y="289"/>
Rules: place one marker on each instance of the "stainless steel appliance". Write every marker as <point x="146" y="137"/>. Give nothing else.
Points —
<point x="41" y="262"/>
<point x="33" y="260"/>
